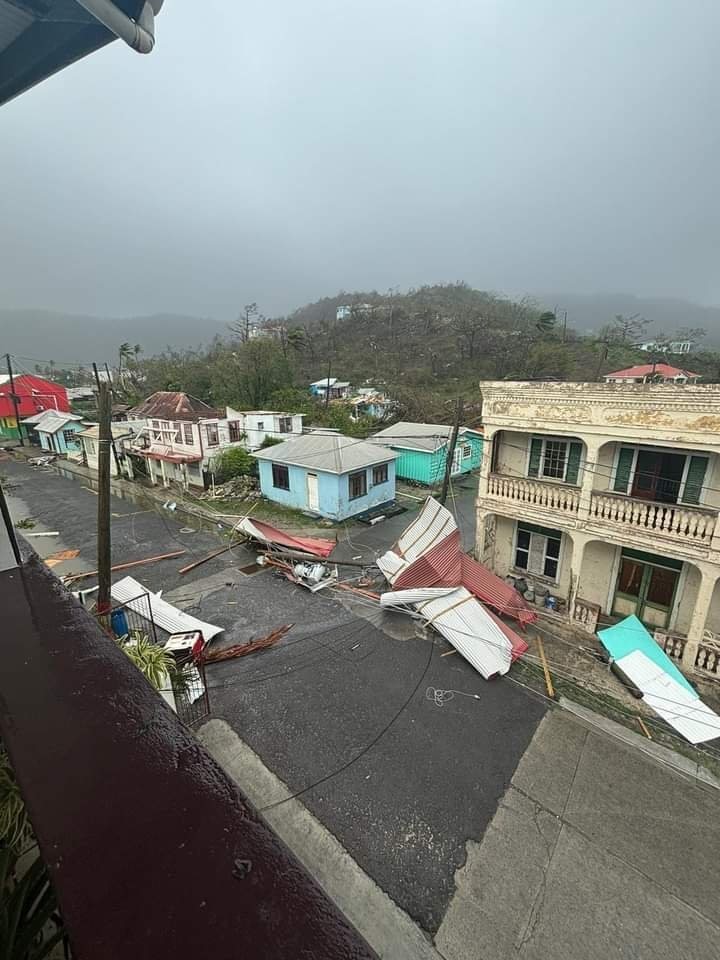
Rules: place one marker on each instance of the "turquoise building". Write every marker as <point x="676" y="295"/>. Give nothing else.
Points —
<point x="422" y="449"/>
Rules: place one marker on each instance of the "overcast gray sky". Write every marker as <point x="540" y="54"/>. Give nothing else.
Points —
<point x="279" y="152"/>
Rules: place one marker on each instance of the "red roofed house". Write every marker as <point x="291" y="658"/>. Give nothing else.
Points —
<point x="34" y="394"/>
<point x="652" y="373"/>
<point x="179" y="435"/>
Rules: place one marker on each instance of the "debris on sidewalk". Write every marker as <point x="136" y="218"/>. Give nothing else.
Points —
<point x="60" y="557"/>
<point x="169" y="618"/>
<point x="243" y="649"/>
<point x="664" y="688"/>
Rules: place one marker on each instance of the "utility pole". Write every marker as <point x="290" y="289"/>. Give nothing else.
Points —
<point x="15" y="399"/>
<point x="327" y="391"/>
<point x="451" y="449"/>
<point x="103" y="516"/>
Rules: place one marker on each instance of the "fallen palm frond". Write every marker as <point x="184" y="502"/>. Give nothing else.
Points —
<point x="242" y="649"/>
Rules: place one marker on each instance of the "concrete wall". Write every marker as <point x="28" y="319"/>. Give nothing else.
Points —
<point x="512" y="454"/>
<point x="598" y="568"/>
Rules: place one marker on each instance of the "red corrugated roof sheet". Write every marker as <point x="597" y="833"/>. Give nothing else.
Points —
<point x="649" y="369"/>
<point x="314" y="545"/>
<point x="445" y="565"/>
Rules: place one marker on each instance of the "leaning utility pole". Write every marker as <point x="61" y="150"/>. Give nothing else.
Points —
<point x="14" y="398"/>
<point x="103" y="516"/>
<point x="451" y="449"/>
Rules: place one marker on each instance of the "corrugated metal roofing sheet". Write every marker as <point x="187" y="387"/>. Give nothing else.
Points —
<point x="630" y="635"/>
<point x="430" y="526"/>
<point x="266" y="533"/>
<point x="428" y="553"/>
<point x="671" y="700"/>
<point x="467" y="626"/>
<point x="165" y="615"/>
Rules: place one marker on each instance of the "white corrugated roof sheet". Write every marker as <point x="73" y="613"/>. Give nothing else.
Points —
<point x="165" y="615"/>
<point x="464" y="623"/>
<point x="682" y="709"/>
<point x="433" y="523"/>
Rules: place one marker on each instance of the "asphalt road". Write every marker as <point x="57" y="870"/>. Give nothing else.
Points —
<point x="339" y="709"/>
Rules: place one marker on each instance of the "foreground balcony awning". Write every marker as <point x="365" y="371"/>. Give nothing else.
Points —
<point x="152" y="849"/>
<point x="40" y="37"/>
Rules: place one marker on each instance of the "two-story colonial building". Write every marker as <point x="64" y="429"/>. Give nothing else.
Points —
<point x="608" y="495"/>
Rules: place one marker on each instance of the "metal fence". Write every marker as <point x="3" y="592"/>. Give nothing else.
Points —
<point x="134" y="620"/>
<point x="192" y="700"/>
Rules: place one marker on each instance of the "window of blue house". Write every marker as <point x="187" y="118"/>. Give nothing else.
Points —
<point x="280" y="476"/>
<point x="380" y="474"/>
<point x="69" y="437"/>
<point x="357" y="484"/>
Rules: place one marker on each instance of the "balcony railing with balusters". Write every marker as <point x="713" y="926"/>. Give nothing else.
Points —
<point x="536" y="493"/>
<point x="672" y="520"/>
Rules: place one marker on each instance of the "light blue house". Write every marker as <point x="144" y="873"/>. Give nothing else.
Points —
<point x="422" y="450"/>
<point x="328" y="474"/>
<point x="58" y="432"/>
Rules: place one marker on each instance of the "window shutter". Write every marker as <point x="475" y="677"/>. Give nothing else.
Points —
<point x="573" y="464"/>
<point x="622" y="474"/>
<point x="535" y="454"/>
<point x="695" y="479"/>
<point x="536" y="555"/>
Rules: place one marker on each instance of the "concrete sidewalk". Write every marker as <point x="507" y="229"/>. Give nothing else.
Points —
<point x="595" y="853"/>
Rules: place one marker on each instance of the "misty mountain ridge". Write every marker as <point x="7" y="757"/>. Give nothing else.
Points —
<point x="45" y="335"/>
<point x="588" y="313"/>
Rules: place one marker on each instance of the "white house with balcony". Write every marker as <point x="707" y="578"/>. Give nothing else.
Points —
<point x="608" y="496"/>
<point x="177" y="436"/>
<point x="259" y="425"/>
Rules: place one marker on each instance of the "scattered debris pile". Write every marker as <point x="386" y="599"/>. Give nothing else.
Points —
<point x="429" y="573"/>
<point x="237" y="488"/>
<point x="298" y="558"/>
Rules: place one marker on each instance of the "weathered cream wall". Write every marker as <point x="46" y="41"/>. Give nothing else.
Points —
<point x="711" y="494"/>
<point x="603" y="467"/>
<point x="685" y="598"/>
<point x="598" y="568"/>
<point x="503" y="558"/>
<point x="513" y="453"/>
<point x="504" y="541"/>
<point x="713" y="618"/>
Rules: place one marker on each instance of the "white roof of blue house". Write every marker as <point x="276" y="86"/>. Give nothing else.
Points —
<point x="327" y="452"/>
<point x="56" y="421"/>
<point x="427" y="437"/>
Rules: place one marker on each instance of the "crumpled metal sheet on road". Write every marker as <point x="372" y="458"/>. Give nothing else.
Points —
<point x="475" y="632"/>
<point x="169" y="618"/>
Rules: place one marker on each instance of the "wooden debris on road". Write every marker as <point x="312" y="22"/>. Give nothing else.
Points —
<point x="60" y="557"/>
<point x="644" y="728"/>
<point x="125" y="566"/>
<point x="546" y="669"/>
<point x="363" y="593"/>
<point x="243" y="649"/>
<point x="210" y="556"/>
